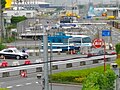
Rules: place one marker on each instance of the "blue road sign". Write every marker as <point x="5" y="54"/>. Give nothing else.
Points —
<point x="106" y="33"/>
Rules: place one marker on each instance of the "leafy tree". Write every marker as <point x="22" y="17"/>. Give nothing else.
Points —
<point x="118" y="61"/>
<point x="117" y="46"/>
<point x="3" y="2"/>
<point x="100" y="81"/>
<point x="15" y="20"/>
<point x="2" y="46"/>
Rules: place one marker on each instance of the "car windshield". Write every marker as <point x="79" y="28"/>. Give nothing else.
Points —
<point x="16" y="51"/>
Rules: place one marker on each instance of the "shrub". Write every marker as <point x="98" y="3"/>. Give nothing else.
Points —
<point x="118" y="61"/>
<point x="75" y="76"/>
<point x="117" y="46"/>
<point x="100" y="81"/>
<point x="2" y="46"/>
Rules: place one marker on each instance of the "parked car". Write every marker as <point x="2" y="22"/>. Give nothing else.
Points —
<point x="95" y="52"/>
<point x="113" y="52"/>
<point x="13" y="53"/>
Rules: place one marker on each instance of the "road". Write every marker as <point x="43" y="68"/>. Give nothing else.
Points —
<point x="34" y="58"/>
<point x="32" y="83"/>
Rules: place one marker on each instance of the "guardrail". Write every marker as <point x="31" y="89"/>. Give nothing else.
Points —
<point x="55" y="65"/>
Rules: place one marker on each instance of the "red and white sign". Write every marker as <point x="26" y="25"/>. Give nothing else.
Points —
<point x="98" y="43"/>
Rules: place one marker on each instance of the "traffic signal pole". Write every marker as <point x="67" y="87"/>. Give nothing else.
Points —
<point x="104" y="56"/>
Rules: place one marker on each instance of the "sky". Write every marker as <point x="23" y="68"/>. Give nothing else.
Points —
<point x="68" y="2"/>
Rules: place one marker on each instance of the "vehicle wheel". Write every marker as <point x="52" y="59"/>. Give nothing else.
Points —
<point x="17" y="57"/>
<point x="26" y="57"/>
<point x="2" y="56"/>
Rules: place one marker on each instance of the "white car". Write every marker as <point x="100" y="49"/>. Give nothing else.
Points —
<point x="13" y="53"/>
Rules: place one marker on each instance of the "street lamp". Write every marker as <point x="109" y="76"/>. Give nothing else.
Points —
<point x="45" y="49"/>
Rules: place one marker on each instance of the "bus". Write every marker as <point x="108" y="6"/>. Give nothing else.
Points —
<point x="72" y="42"/>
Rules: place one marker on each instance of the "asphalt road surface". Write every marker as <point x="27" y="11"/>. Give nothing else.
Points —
<point x="32" y="83"/>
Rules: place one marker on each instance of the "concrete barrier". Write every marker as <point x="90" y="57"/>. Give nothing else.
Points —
<point x="60" y="65"/>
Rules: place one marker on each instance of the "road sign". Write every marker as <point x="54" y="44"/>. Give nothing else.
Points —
<point x="98" y="43"/>
<point x="106" y="33"/>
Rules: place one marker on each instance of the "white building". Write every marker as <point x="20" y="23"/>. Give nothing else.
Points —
<point x="26" y="13"/>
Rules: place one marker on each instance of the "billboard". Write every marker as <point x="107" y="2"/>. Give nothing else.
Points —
<point x="8" y="4"/>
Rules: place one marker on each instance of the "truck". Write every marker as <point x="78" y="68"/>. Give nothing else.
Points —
<point x="111" y="17"/>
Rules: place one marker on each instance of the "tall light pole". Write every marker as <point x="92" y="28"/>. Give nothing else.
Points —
<point x="2" y="28"/>
<point x="45" y="49"/>
<point x="0" y="19"/>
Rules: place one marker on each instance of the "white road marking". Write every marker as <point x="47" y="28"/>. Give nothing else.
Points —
<point x="19" y="85"/>
<point x="28" y="83"/>
<point x="36" y="82"/>
<point x="9" y="87"/>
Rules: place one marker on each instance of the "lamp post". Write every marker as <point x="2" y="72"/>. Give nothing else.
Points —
<point x="45" y="48"/>
<point x="50" y="64"/>
<point x="1" y="20"/>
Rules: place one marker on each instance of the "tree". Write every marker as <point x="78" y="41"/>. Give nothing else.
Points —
<point x="117" y="46"/>
<point x="3" y="2"/>
<point x="100" y="81"/>
<point x="15" y="20"/>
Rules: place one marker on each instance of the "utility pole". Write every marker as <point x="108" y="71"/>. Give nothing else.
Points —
<point x="1" y="23"/>
<point x="45" y="49"/>
<point x="0" y="20"/>
<point x="2" y="28"/>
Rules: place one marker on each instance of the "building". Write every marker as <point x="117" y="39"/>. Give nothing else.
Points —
<point x="29" y="4"/>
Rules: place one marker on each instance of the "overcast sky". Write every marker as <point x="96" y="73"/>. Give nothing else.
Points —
<point x="63" y="2"/>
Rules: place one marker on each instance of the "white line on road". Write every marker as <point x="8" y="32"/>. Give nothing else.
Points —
<point x="36" y="82"/>
<point x="9" y="87"/>
<point x="19" y="85"/>
<point x="28" y="83"/>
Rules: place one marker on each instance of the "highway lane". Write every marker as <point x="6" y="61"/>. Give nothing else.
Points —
<point x="32" y="83"/>
<point x="33" y="59"/>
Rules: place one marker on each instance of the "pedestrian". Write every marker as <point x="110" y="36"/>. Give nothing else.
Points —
<point x="23" y="49"/>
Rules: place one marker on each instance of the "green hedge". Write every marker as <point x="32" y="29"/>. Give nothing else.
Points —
<point x="75" y="76"/>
